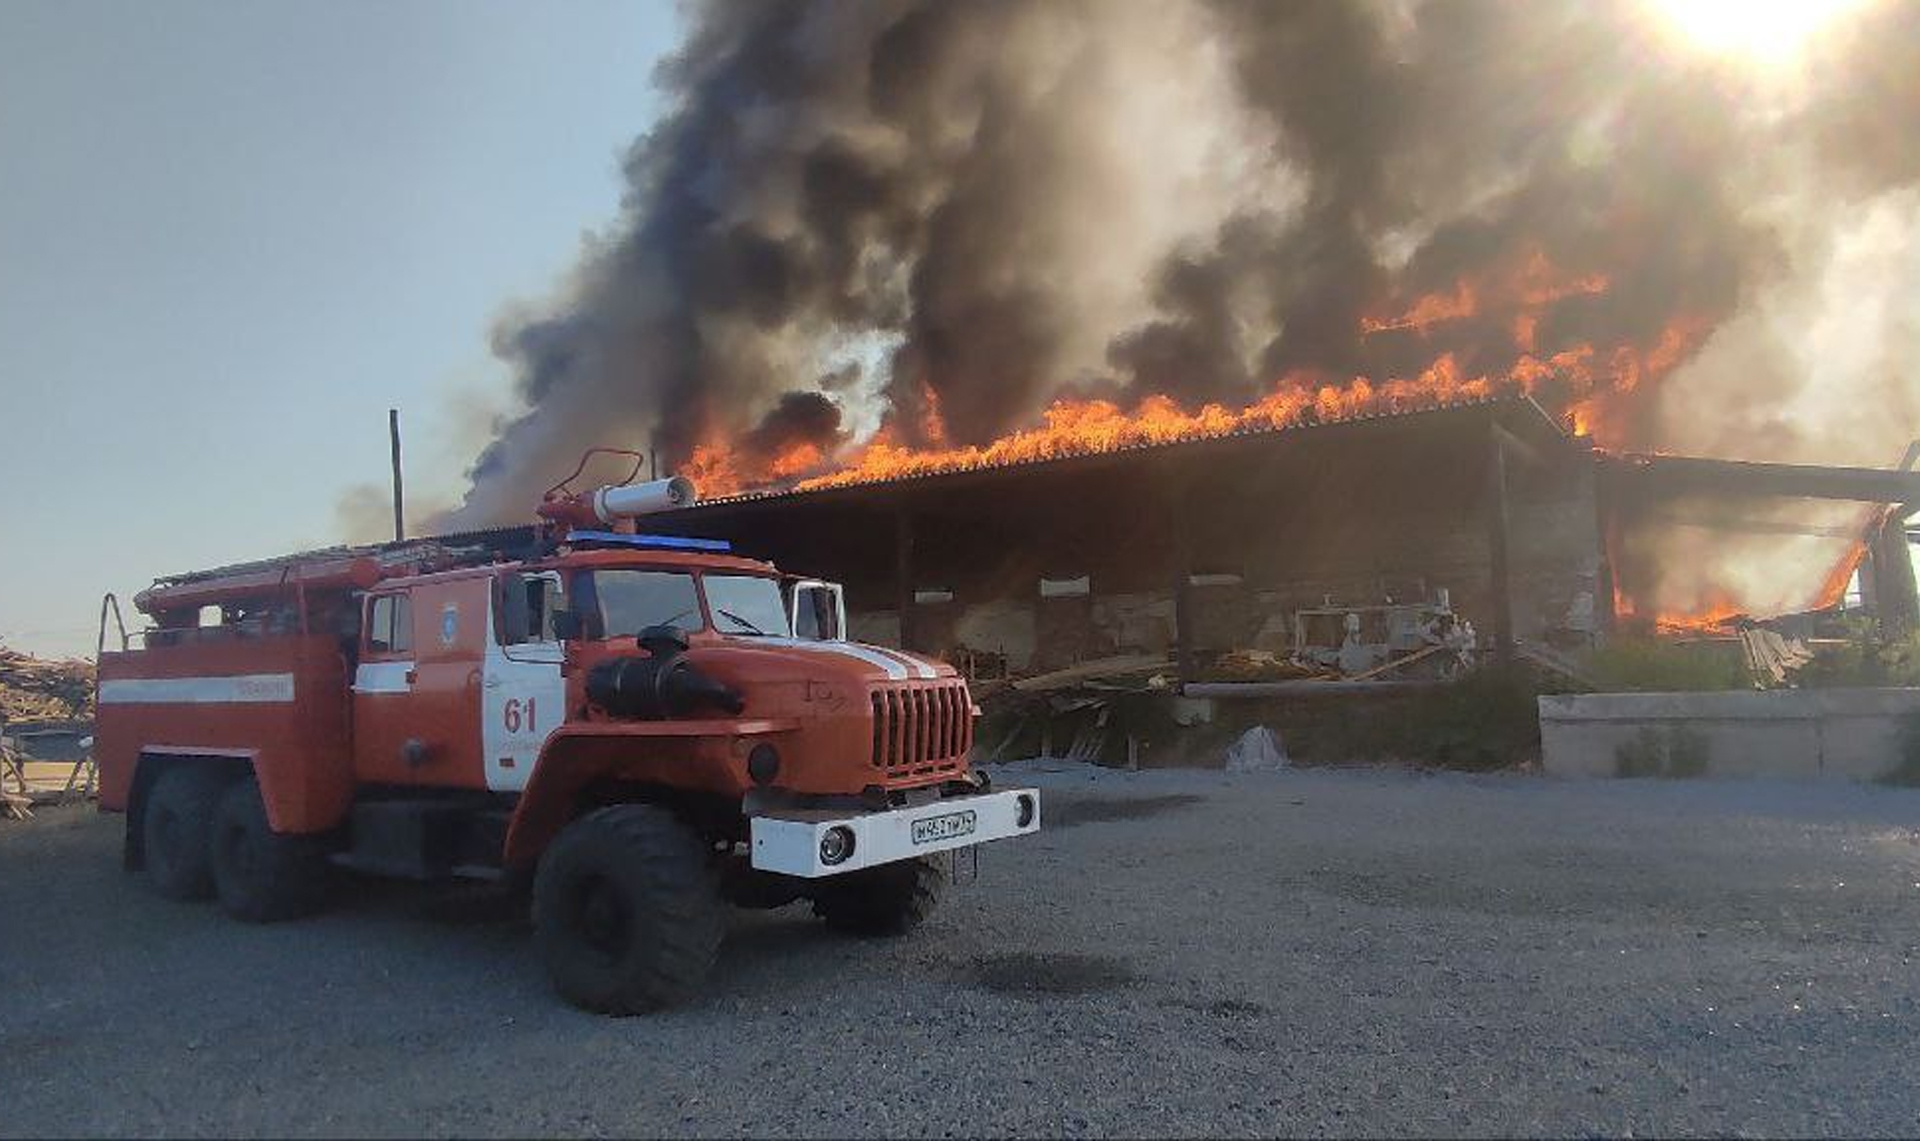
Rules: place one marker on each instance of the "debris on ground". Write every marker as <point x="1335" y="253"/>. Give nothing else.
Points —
<point x="1257" y="751"/>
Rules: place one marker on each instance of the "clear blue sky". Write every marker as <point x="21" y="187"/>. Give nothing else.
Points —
<point x="232" y="234"/>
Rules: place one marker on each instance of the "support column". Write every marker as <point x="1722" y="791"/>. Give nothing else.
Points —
<point x="1497" y="550"/>
<point x="1895" y="596"/>
<point x="903" y="573"/>
<point x="1180" y="536"/>
<point x="1606" y="514"/>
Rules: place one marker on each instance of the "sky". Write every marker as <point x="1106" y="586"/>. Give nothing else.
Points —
<point x="232" y="235"/>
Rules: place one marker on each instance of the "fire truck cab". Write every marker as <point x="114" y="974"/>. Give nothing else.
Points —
<point x="643" y="729"/>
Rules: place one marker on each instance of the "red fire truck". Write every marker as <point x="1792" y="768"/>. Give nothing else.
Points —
<point x="644" y="728"/>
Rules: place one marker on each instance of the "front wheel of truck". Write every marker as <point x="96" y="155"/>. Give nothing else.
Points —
<point x="891" y="899"/>
<point x="628" y="911"/>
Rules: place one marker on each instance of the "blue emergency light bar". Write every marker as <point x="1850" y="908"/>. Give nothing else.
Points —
<point x="655" y="542"/>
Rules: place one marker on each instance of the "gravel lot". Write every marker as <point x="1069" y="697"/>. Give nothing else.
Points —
<point x="1355" y="952"/>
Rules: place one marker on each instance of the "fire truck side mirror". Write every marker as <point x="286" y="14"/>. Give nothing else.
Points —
<point x="818" y="610"/>
<point x="566" y="624"/>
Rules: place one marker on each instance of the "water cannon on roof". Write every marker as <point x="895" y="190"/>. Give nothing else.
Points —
<point x="616" y="504"/>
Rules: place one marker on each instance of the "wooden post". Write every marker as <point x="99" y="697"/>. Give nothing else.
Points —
<point x="1497" y="550"/>
<point x="903" y="573"/>
<point x="393" y="438"/>
<point x="1605" y="509"/>
<point x="1180" y="534"/>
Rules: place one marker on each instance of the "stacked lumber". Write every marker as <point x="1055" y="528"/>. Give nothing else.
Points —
<point x="1263" y="665"/>
<point x="1113" y="670"/>
<point x="36" y="689"/>
<point x="1770" y="657"/>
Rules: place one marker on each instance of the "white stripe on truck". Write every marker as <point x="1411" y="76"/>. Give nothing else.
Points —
<point x="898" y="666"/>
<point x="236" y="689"/>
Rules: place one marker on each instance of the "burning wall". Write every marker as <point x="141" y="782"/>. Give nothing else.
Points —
<point x="910" y="236"/>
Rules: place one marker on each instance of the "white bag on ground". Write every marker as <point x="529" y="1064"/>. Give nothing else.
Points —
<point x="1257" y="751"/>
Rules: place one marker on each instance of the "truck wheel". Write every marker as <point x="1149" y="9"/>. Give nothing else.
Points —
<point x="891" y="899"/>
<point x="175" y="828"/>
<point x="261" y="875"/>
<point x="627" y="910"/>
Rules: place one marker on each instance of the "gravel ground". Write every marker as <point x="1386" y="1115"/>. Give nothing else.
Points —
<point x="1179" y="953"/>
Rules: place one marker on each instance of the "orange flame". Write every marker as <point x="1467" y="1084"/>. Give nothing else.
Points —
<point x="1594" y="385"/>
<point x="713" y="466"/>
<point x="1833" y="589"/>
<point x="1430" y="310"/>
<point x="933" y="423"/>
<point x="795" y="461"/>
<point x="1079" y="427"/>
<point x="1597" y="387"/>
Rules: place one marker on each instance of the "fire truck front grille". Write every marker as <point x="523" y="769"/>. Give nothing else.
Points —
<point x="921" y="728"/>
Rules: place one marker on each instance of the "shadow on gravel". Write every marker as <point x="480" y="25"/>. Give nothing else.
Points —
<point x="1218" y="1008"/>
<point x="475" y="907"/>
<point x="1036" y="975"/>
<point x="458" y="904"/>
<point x="1065" y="812"/>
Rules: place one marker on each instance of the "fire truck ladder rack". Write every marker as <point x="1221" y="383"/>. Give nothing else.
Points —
<point x="262" y="566"/>
<point x="427" y="553"/>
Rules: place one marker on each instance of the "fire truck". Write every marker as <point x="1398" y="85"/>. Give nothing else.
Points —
<point x="640" y="729"/>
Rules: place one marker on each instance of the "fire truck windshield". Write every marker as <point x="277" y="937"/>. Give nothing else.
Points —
<point x="746" y="604"/>
<point x="629" y="601"/>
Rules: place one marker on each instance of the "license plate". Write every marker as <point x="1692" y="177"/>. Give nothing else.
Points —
<point x="933" y="829"/>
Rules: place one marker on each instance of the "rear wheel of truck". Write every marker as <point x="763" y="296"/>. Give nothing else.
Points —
<point x="175" y="831"/>
<point x="891" y="899"/>
<point x="627" y="909"/>
<point x="261" y="875"/>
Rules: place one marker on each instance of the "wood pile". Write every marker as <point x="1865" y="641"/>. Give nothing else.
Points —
<point x="1263" y="665"/>
<point x="1082" y="700"/>
<point x="35" y="689"/>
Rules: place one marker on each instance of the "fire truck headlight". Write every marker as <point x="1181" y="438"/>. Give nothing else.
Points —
<point x="836" y="845"/>
<point x="763" y="763"/>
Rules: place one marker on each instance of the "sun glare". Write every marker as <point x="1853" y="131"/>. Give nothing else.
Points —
<point x="1764" y="31"/>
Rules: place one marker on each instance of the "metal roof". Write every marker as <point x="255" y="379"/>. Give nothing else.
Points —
<point x="1524" y="406"/>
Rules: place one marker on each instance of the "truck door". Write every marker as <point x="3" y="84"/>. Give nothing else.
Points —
<point x="383" y="687"/>
<point x="525" y="696"/>
<point x="416" y="691"/>
<point x="450" y="639"/>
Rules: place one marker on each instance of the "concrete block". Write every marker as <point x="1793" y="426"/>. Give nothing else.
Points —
<point x="1845" y="734"/>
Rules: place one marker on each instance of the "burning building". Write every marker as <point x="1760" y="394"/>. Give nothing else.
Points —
<point x="1482" y="515"/>
<point x="1105" y="312"/>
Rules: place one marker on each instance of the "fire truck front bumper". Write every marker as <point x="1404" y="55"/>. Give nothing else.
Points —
<point x="813" y="844"/>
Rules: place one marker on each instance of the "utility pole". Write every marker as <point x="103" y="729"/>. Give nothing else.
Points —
<point x="393" y="436"/>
